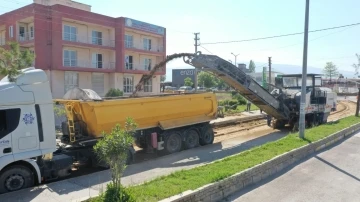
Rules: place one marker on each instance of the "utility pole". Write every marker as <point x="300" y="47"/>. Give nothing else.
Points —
<point x="269" y="87"/>
<point x="357" y="104"/>
<point x="304" y="74"/>
<point x="235" y="57"/>
<point x="196" y="45"/>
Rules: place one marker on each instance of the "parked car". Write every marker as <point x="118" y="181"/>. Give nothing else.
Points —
<point x="214" y="89"/>
<point x="170" y="89"/>
<point x="185" y="89"/>
<point x="201" y="89"/>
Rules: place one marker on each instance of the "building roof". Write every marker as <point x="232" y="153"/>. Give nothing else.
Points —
<point x="300" y="75"/>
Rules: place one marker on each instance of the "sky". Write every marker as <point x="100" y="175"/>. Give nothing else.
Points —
<point x="231" y="20"/>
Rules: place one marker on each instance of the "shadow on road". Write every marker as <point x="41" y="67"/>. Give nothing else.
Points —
<point x="337" y="168"/>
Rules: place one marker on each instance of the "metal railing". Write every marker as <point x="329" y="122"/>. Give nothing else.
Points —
<point x="27" y="36"/>
<point x="88" y="40"/>
<point x="140" y="46"/>
<point x="142" y="67"/>
<point x="88" y="64"/>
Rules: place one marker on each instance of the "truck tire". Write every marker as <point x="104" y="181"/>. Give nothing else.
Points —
<point x="15" y="178"/>
<point x="173" y="142"/>
<point x="191" y="138"/>
<point x="207" y="136"/>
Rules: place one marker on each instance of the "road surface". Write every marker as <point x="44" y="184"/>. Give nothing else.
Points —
<point x="80" y="188"/>
<point x="333" y="175"/>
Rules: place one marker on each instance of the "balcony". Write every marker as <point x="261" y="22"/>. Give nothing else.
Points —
<point x="140" y="46"/>
<point x="88" y="40"/>
<point x="89" y="64"/>
<point x="141" y="67"/>
<point x="26" y="37"/>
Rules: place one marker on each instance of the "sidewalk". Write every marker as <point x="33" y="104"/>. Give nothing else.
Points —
<point x="81" y="188"/>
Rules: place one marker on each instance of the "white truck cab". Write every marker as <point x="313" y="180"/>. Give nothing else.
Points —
<point x="27" y="132"/>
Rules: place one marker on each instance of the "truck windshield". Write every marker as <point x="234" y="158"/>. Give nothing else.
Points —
<point x="289" y="82"/>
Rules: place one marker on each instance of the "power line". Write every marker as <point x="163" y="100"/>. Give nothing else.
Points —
<point x="292" y="45"/>
<point x="206" y="49"/>
<point x="283" y="35"/>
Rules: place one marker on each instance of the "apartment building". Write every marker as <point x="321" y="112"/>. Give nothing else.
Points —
<point x="79" y="48"/>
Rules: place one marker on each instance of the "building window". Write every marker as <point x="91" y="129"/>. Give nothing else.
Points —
<point x="128" y="62"/>
<point x="69" y="33"/>
<point x="70" y="58"/>
<point x="22" y="33"/>
<point x="11" y="31"/>
<point x="97" y="60"/>
<point x="148" y="86"/>
<point x="147" y="64"/>
<point x="128" y="41"/>
<point x="31" y="32"/>
<point x="147" y="44"/>
<point x="128" y="84"/>
<point x="9" y="121"/>
<point x="71" y="80"/>
<point x="97" y="82"/>
<point x="96" y="37"/>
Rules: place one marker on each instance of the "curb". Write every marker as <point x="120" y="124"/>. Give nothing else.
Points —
<point x="224" y="188"/>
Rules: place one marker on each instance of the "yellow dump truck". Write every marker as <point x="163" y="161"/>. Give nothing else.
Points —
<point x="32" y="152"/>
<point x="165" y="122"/>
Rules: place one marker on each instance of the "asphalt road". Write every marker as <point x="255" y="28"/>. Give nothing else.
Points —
<point x="79" y="188"/>
<point x="333" y="175"/>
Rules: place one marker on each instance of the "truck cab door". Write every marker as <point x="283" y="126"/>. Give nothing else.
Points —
<point x="9" y="121"/>
<point x="25" y="138"/>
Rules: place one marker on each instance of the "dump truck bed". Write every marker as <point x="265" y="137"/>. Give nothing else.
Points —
<point x="165" y="112"/>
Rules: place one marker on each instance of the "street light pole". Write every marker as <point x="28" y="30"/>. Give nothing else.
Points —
<point x="235" y="57"/>
<point x="304" y="74"/>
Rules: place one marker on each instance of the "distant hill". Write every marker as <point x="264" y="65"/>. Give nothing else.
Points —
<point x="295" y="69"/>
<point x="283" y="68"/>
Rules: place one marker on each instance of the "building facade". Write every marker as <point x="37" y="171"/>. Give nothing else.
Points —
<point x="79" y="48"/>
<point x="178" y="76"/>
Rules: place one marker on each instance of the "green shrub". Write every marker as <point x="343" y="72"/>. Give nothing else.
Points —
<point x="241" y="100"/>
<point x="114" y="93"/>
<point x="112" y="195"/>
<point x="228" y="104"/>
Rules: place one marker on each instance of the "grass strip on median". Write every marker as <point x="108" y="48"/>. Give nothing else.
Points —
<point x="180" y="181"/>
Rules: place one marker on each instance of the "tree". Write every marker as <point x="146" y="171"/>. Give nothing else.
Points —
<point x="206" y="79"/>
<point x="12" y="60"/>
<point x="163" y="78"/>
<point x="341" y="76"/>
<point x="221" y="83"/>
<point x="114" y="93"/>
<point x="188" y="82"/>
<point x="252" y="66"/>
<point x="357" y="66"/>
<point x="330" y="70"/>
<point x="113" y="149"/>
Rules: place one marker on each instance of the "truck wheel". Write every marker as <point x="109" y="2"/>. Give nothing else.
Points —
<point x="207" y="136"/>
<point x="15" y="178"/>
<point x="191" y="139"/>
<point x="173" y="143"/>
